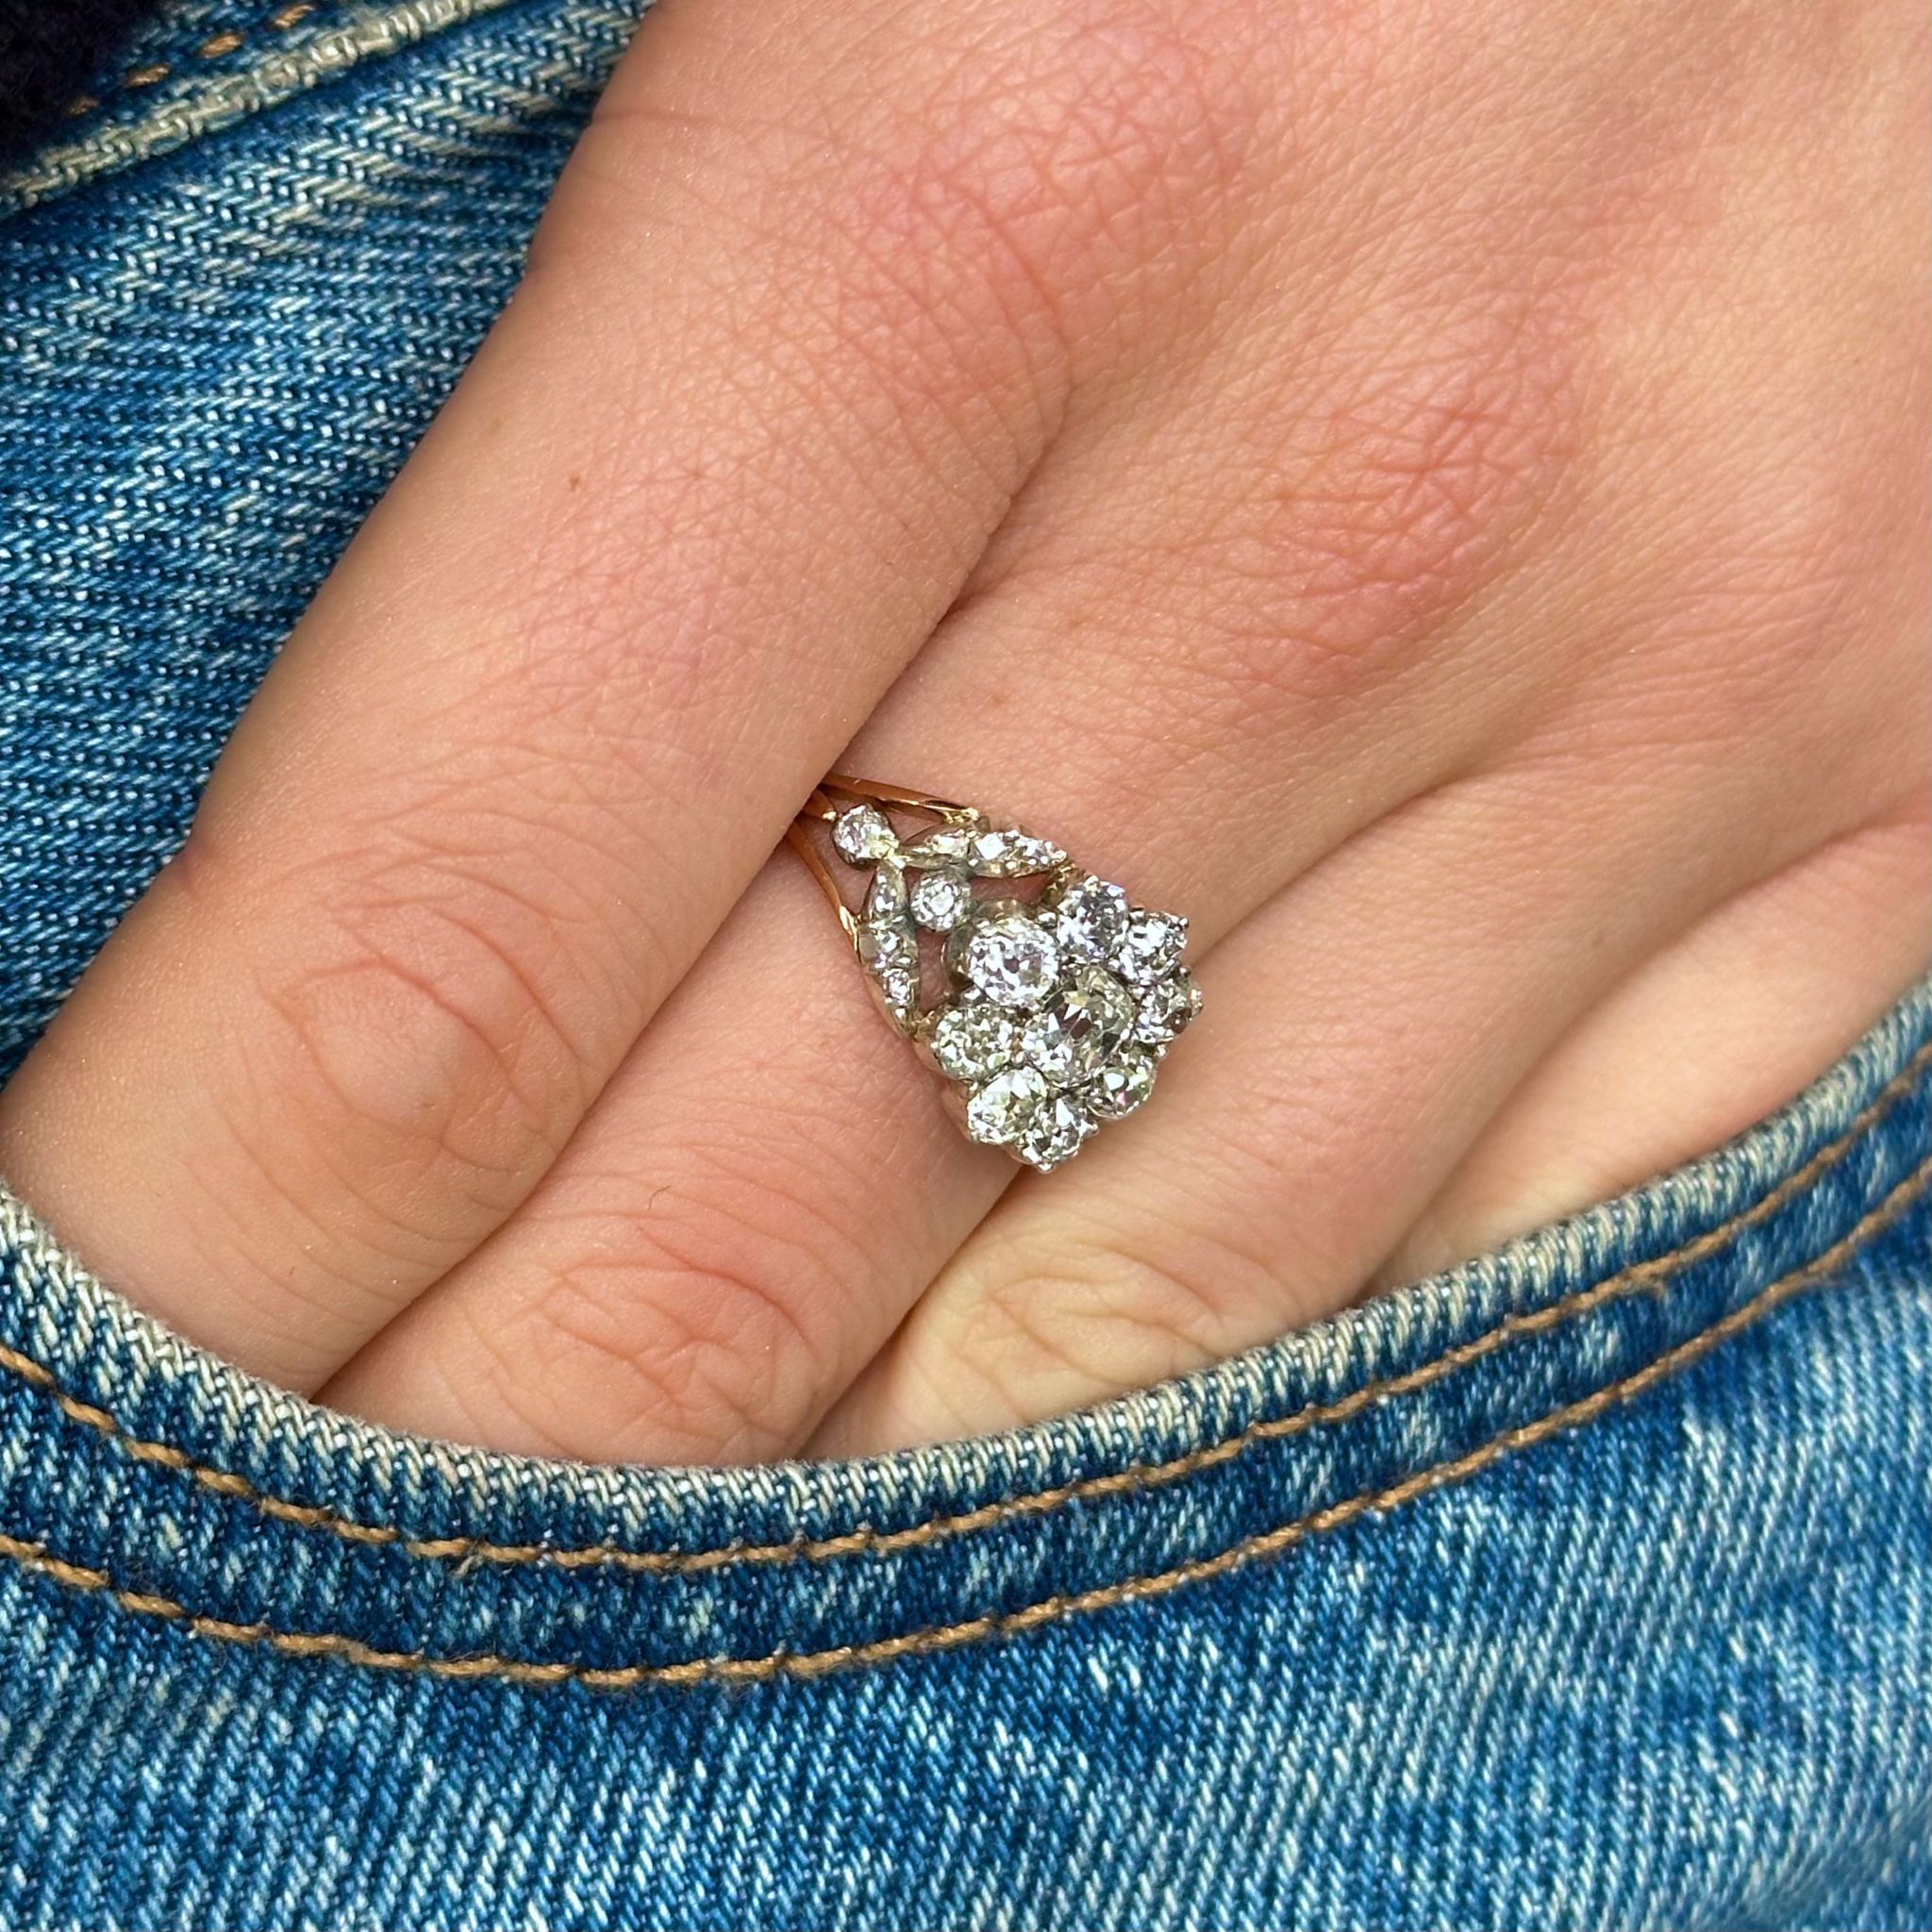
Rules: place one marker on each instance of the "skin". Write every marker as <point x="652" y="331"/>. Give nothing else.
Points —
<point x="1434" y="493"/>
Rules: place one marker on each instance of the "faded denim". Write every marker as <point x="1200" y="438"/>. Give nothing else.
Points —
<point x="1588" y="1584"/>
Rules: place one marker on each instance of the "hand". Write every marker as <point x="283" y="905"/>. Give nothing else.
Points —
<point x="1434" y="493"/>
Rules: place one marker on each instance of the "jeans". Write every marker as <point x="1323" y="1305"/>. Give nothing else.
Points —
<point x="1584" y="1584"/>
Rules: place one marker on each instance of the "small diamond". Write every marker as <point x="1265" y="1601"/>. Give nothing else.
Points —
<point x="970" y="1043"/>
<point x="1003" y="1110"/>
<point x="1090" y="917"/>
<point x="1082" y="1027"/>
<point x="885" y="901"/>
<point x="1053" y="1134"/>
<point x="886" y="949"/>
<point x="1011" y="853"/>
<point x="862" y="834"/>
<point x="884" y="943"/>
<point x="1011" y="959"/>
<point x="1169" y="1007"/>
<point x="1151" y="946"/>
<point x="1121" y="1085"/>
<point x="899" y="990"/>
<point x="942" y="845"/>
<point x="940" y="899"/>
<point x="895" y="980"/>
<point x="888" y="944"/>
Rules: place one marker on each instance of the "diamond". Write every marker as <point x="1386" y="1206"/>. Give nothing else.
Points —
<point x="885" y="900"/>
<point x="1081" y="1028"/>
<point x="898" y="990"/>
<point x="1090" y="917"/>
<point x="1150" y="947"/>
<point x="896" y="983"/>
<point x="971" y="1042"/>
<point x="1121" y="1085"/>
<point x="942" y="845"/>
<point x="1169" y="1007"/>
<point x="1011" y="853"/>
<point x="1053" y="1134"/>
<point x="882" y="945"/>
<point x="942" y="898"/>
<point x="1010" y="957"/>
<point x="888" y="944"/>
<point x="886" y="933"/>
<point x="863" y="833"/>
<point x="1002" y="1110"/>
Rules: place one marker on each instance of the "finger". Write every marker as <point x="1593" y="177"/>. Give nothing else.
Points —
<point x="722" y="463"/>
<point x="770" y="1181"/>
<point x="1362" y="1031"/>
<point x="1707" y="1036"/>
<point x="691" y="1292"/>
<point x="766" y="1178"/>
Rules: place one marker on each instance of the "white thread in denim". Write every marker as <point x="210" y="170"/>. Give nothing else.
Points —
<point x="281" y="75"/>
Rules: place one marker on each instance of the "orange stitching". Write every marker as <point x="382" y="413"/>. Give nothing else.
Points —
<point x="814" y="1663"/>
<point x="287" y="19"/>
<point x="864" y="1539"/>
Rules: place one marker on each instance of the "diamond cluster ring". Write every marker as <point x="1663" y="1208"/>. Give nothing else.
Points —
<point x="1045" y="995"/>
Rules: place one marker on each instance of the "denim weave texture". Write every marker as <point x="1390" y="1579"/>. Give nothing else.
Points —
<point x="1588" y="1584"/>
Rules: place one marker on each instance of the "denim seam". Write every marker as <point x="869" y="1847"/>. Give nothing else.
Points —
<point x="280" y="77"/>
<point x="1630" y="1280"/>
<point x="218" y="45"/>
<point x="36" y="1558"/>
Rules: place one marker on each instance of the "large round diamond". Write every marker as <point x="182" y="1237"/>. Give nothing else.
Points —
<point x="1089" y="916"/>
<point x="1053" y="1134"/>
<point x="1002" y="1110"/>
<point x="1151" y="946"/>
<point x="1081" y="1027"/>
<point x="1012" y="959"/>
<point x="968" y="1042"/>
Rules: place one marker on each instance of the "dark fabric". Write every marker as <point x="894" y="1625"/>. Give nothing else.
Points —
<point x="49" y="51"/>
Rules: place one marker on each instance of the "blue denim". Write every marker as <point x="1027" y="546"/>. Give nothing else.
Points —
<point x="1586" y="1584"/>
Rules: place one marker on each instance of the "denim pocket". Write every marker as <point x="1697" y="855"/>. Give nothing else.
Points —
<point x="1586" y="1583"/>
<point x="1634" y="1503"/>
<point x="312" y="1535"/>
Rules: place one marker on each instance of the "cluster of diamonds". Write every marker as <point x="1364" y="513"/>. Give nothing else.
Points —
<point x="1057" y="1009"/>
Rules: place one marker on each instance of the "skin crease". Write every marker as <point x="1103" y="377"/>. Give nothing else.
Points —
<point x="1435" y="494"/>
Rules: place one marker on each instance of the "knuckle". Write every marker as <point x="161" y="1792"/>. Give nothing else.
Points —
<point x="1055" y="1323"/>
<point x="1406" y="498"/>
<point x="1051" y="149"/>
<point x="423" y="1037"/>
<point x="683" y="1333"/>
